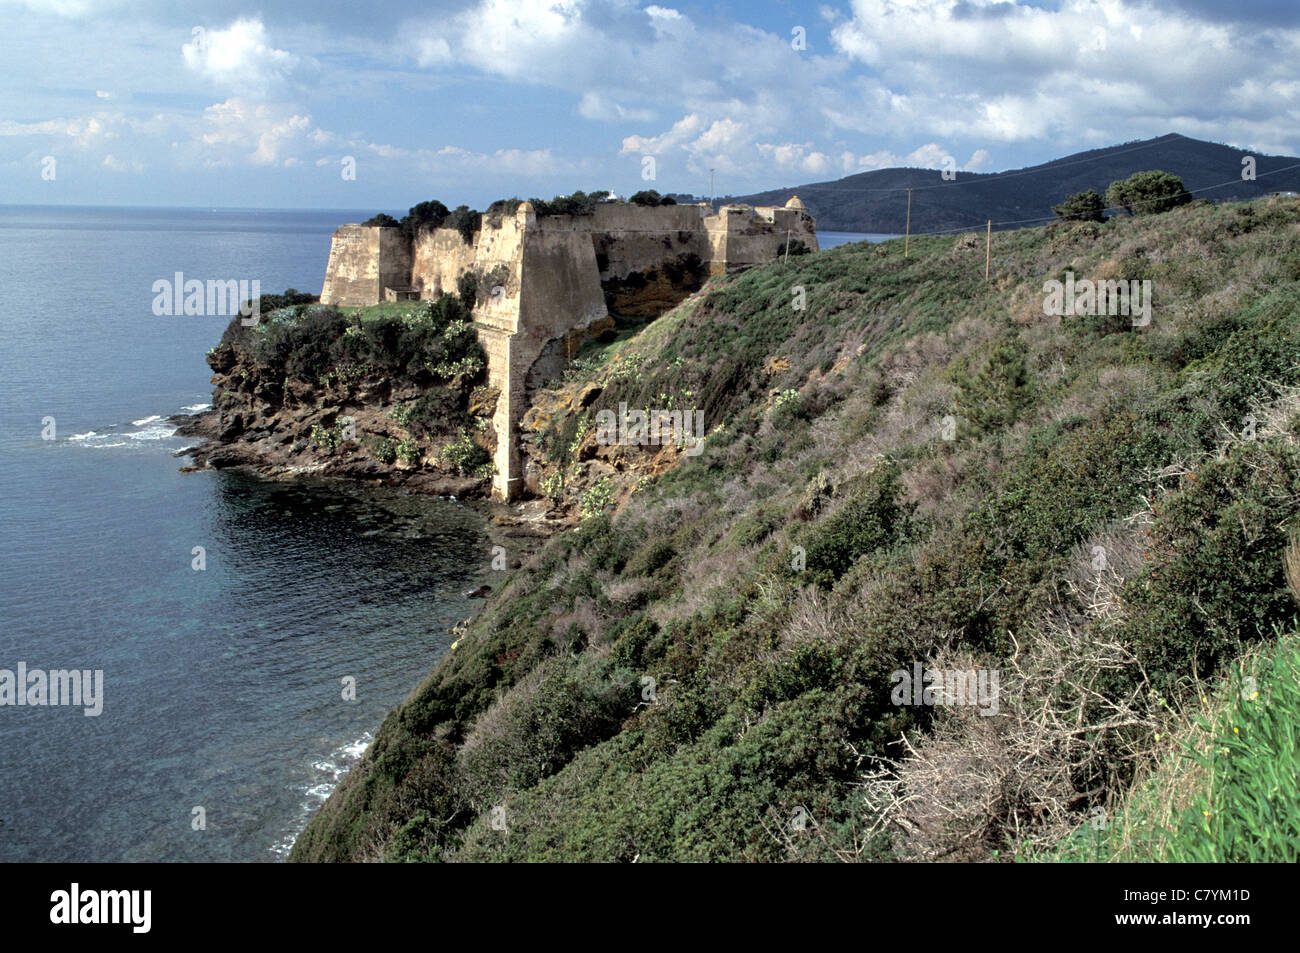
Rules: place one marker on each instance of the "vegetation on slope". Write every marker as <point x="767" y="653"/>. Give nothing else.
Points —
<point x="905" y="464"/>
<point x="1228" y="788"/>
<point x="393" y="382"/>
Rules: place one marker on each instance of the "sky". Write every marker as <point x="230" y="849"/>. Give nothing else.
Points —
<point x="340" y="104"/>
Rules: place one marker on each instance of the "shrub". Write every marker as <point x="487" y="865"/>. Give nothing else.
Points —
<point x="425" y="216"/>
<point x="597" y="498"/>
<point x="384" y="449"/>
<point x="408" y="450"/>
<point x="1215" y="575"/>
<point x="466" y="456"/>
<point x="1081" y="207"/>
<point x="871" y="519"/>
<point x="466" y="221"/>
<point x="649" y="198"/>
<point x="994" y="395"/>
<point x="467" y="289"/>
<point x="1148" y="193"/>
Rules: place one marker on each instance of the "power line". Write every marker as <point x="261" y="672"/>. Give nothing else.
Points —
<point x="993" y="177"/>
<point x="1108" y="208"/>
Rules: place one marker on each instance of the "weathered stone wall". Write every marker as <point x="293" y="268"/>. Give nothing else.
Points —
<point x="439" y="258"/>
<point x="363" y="261"/>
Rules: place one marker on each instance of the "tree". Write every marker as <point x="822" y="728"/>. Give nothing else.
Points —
<point x="1148" y="193"/>
<point x="383" y="220"/>
<point x="579" y="203"/>
<point x="466" y="221"/>
<point x="425" y="216"/>
<point x="1081" y="207"/>
<point x="467" y="289"/>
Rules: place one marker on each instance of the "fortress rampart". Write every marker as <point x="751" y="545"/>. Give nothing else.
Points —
<point x="545" y="283"/>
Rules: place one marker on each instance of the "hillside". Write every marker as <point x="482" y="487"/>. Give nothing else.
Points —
<point x="877" y="201"/>
<point x="916" y="467"/>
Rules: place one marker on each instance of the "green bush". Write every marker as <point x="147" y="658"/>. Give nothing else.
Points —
<point x="1081" y="207"/>
<point x="425" y="216"/>
<point x="994" y="394"/>
<point x="384" y="449"/>
<point x="870" y="519"/>
<point x="1214" y="577"/>
<point x="466" y="456"/>
<point x="1148" y="193"/>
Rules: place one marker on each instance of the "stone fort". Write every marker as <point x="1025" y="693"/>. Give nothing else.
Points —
<point x="546" y="283"/>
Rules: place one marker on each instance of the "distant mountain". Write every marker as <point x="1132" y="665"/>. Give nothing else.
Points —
<point x="877" y="201"/>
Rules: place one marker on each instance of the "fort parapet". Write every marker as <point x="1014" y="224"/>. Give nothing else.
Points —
<point x="547" y="282"/>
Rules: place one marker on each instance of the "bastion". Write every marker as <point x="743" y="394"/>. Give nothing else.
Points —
<point x="545" y="283"/>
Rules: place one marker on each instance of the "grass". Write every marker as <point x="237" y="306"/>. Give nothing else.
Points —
<point x="1228" y="788"/>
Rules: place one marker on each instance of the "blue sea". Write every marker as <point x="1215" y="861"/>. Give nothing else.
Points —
<point x="224" y="722"/>
<point x="223" y="687"/>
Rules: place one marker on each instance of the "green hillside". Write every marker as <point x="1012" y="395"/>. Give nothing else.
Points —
<point x="916" y="467"/>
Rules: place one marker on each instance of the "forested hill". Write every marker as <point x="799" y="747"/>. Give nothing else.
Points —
<point x="877" y="201"/>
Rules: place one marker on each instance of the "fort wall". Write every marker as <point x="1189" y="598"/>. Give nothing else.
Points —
<point x="551" y="280"/>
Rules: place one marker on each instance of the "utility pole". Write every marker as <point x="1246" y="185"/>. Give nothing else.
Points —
<point x="988" y="249"/>
<point x="787" y="247"/>
<point x="711" y="208"/>
<point x="907" y="237"/>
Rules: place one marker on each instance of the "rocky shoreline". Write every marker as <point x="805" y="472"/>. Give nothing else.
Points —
<point x="520" y="528"/>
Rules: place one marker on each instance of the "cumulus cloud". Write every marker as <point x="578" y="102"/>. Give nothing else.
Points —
<point x="240" y="57"/>
<point x="1000" y="71"/>
<point x="931" y="155"/>
<point x="260" y="132"/>
<point x="622" y="63"/>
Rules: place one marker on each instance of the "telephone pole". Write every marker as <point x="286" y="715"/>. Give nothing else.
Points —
<point x="907" y="236"/>
<point x="988" y="249"/>
<point x="711" y="208"/>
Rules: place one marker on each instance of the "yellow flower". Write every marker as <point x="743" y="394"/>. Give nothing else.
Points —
<point x="1234" y="731"/>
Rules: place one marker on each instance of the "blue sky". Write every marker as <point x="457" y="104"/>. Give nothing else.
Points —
<point x="229" y="103"/>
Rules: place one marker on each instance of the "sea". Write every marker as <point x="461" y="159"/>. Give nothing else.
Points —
<point x="251" y="635"/>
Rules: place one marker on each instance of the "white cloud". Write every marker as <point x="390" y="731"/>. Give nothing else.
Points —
<point x="595" y="106"/>
<point x="800" y="156"/>
<point x="68" y="9"/>
<point x="114" y="164"/>
<point x="1003" y="71"/>
<point x="241" y="58"/>
<point x="260" y="132"/>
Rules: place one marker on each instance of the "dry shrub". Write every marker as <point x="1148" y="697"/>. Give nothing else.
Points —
<point x="976" y="782"/>
<point x="1274" y="417"/>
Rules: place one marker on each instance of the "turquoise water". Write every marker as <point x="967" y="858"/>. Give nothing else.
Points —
<point x="222" y="687"/>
